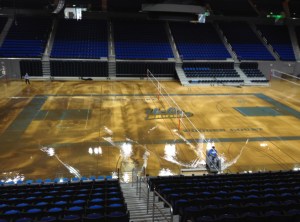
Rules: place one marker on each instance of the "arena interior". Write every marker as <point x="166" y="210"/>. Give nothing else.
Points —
<point x="150" y="110"/>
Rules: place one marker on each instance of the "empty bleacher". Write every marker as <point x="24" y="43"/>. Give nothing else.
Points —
<point x="211" y="73"/>
<point x="213" y="70"/>
<point x="244" y="42"/>
<point x="251" y="69"/>
<point x="86" y="39"/>
<point x="93" y="200"/>
<point x="78" y="68"/>
<point x="253" y="73"/>
<point x="198" y="42"/>
<point x="32" y="67"/>
<point x="139" y="69"/>
<point x="141" y="40"/>
<point x="279" y="38"/>
<point x="217" y="81"/>
<point x="260" y="197"/>
<point x="27" y="37"/>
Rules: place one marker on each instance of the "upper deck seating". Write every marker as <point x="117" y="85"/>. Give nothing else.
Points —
<point x="85" y="39"/>
<point x="279" y="38"/>
<point x="141" y="40"/>
<point x="244" y="42"/>
<point x="27" y="37"/>
<point x="198" y="42"/>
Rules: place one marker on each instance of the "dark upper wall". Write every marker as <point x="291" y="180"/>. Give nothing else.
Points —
<point x="26" y="4"/>
<point x="238" y="9"/>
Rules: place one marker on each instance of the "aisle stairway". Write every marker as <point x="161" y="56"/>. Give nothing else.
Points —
<point x="137" y="206"/>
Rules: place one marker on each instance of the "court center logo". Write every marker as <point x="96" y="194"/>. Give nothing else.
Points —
<point x="166" y="114"/>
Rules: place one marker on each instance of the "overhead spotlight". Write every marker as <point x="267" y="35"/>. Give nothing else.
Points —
<point x="59" y="6"/>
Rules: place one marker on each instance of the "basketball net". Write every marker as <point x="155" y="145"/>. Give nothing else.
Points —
<point x="185" y="124"/>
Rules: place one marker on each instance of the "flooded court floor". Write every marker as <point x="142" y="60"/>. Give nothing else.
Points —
<point x="68" y="129"/>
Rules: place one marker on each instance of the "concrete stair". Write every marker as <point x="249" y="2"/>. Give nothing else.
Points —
<point x="46" y="67"/>
<point x="242" y="74"/>
<point x="137" y="205"/>
<point x="111" y="51"/>
<point x="172" y="43"/>
<point x="181" y="75"/>
<point x="247" y="80"/>
<point x="225" y="41"/>
<point x="50" y="41"/>
<point x="112" y="69"/>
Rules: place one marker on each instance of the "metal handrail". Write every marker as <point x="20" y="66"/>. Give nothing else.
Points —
<point x="137" y="184"/>
<point x="132" y="176"/>
<point x="148" y="196"/>
<point x="165" y="201"/>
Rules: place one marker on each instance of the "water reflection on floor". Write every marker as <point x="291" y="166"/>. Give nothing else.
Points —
<point x="74" y="129"/>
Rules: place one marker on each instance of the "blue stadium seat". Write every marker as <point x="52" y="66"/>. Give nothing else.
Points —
<point x="203" y="44"/>
<point x="141" y="40"/>
<point x="244" y="42"/>
<point x="28" y="38"/>
<point x="85" y="39"/>
<point x="278" y="37"/>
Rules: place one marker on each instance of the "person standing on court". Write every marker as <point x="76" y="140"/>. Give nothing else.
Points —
<point x="26" y="77"/>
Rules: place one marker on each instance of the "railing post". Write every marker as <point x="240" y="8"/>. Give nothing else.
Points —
<point x="137" y="185"/>
<point x="119" y="174"/>
<point x="165" y="202"/>
<point x="153" y="205"/>
<point x="140" y="191"/>
<point x="132" y="177"/>
<point x="148" y="193"/>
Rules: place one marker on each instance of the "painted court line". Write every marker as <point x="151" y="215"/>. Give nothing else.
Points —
<point x="180" y="141"/>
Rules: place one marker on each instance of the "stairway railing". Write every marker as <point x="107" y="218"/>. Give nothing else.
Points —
<point x="155" y="206"/>
<point x="139" y="179"/>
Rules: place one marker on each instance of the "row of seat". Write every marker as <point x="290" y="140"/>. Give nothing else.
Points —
<point x="81" y="39"/>
<point x="244" y="41"/>
<point x="139" y="69"/>
<point x="204" y="43"/>
<point x="79" y="68"/>
<point x="211" y="75"/>
<point x="279" y="38"/>
<point x="144" y="76"/>
<point x="141" y="40"/>
<point x="26" y="38"/>
<point x="88" y="199"/>
<point x="244" y="179"/>
<point x="217" y="81"/>
<point x="260" y="80"/>
<point x="253" y="73"/>
<point x="208" y="65"/>
<point x="211" y="71"/>
<point x="291" y="215"/>
<point x="56" y="214"/>
<point x="193" y="198"/>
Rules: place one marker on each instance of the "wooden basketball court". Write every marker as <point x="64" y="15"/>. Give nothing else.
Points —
<point x="64" y="129"/>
